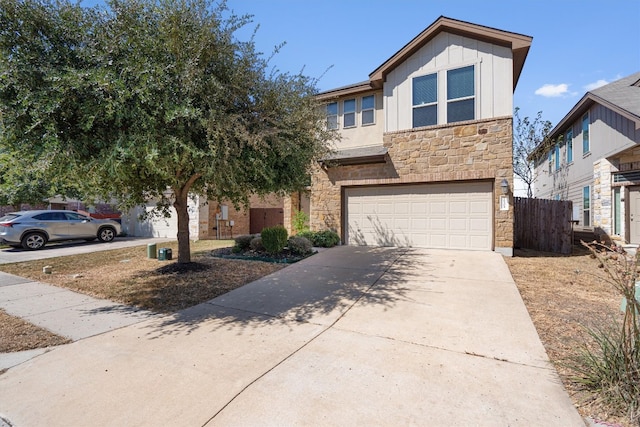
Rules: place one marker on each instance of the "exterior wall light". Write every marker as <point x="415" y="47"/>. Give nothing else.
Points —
<point x="504" y="185"/>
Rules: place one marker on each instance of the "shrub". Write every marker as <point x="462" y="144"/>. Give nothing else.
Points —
<point x="274" y="239"/>
<point x="300" y="245"/>
<point x="307" y="234"/>
<point x="256" y="244"/>
<point x="300" y="222"/>
<point x="325" y="239"/>
<point x="243" y="242"/>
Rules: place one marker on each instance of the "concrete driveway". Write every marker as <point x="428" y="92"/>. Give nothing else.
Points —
<point x="52" y="250"/>
<point x="350" y="336"/>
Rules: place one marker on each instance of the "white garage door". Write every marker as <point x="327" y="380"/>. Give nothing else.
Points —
<point x="455" y="216"/>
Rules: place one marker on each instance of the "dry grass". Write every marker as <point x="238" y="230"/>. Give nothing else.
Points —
<point x="565" y="295"/>
<point x="18" y="335"/>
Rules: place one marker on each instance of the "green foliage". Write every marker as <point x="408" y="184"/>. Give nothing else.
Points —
<point x="325" y="239"/>
<point x="274" y="239"/>
<point x="129" y="100"/>
<point x="300" y="245"/>
<point x="256" y="244"/>
<point x="243" y="242"/>
<point x="321" y="239"/>
<point x="300" y="222"/>
<point x="612" y="368"/>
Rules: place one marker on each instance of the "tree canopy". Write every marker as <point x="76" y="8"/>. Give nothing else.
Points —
<point x="137" y="98"/>
<point x="527" y="135"/>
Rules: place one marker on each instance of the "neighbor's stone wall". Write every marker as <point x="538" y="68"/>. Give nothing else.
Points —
<point x="602" y="198"/>
<point x="478" y="150"/>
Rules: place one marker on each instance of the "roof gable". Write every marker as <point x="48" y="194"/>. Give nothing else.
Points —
<point x="518" y="43"/>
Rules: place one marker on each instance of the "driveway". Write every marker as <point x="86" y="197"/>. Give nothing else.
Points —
<point x="350" y="336"/>
<point x="9" y="255"/>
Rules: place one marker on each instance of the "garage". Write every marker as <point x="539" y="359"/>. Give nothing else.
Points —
<point x="449" y="216"/>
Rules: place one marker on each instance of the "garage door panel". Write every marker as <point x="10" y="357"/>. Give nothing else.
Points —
<point x="430" y="215"/>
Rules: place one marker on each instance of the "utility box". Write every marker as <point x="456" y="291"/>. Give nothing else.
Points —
<point x="151" y="250"/>
<point x="164" y="254"/>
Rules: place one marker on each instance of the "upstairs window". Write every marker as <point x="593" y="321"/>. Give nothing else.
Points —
<point x="550" y="162"/>
<point x="569" y="140"/>
<point x="349" y="113"/>
<point x="461" y="94"/>
<point x="368" y="110"/>
<point x="585" y="134"/>
<point x="425" y="100"/>
<point x="557" y="154"/>
<point x="332" y="115"/>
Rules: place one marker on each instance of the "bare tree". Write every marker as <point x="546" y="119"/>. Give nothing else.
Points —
<point x="527" y="135"/>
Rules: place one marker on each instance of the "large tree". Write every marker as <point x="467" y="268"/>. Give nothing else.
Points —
<point x="153" y="100"/>
<point x="527" y="135"/>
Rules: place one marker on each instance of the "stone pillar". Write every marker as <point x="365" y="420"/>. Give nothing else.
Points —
<point x="601" y="208"/>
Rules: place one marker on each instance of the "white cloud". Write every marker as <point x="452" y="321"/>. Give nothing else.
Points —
<point x="553" y="91"/>
<point x="596" y="85"/>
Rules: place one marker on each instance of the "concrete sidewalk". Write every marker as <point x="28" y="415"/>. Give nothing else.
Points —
<point x="64" y="312"/>
<point x="350" y="336"/>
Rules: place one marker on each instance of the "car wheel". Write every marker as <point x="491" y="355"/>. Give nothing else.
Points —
<point x="33" y="241"/>
<point x="106" y="234"/>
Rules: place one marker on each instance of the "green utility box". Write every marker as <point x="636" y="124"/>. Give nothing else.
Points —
<point x="164" y="254"/>
<point x="151" y="250"/>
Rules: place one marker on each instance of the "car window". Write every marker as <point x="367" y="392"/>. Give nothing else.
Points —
<point x="9" y="217"/>
<point x="72" y="216"/>
<point x="50" y="216"/>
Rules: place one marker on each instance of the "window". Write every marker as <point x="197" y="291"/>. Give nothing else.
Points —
<point x="586" y="206"/>
<point x="557" y="154"/>
<point x="460" y="94"/>
<point x="349" y="113"/>
<point x="585" y="134"/>
<point x="617" y="209"/>
<point x="368" y="110"/>
<point x="569" y="140"/>
<point x="550" y="162"/>
<point x="425" y="100"/>
<point x="332" y="115"/>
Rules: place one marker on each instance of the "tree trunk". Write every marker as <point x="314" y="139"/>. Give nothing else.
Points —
<point x="184" y="245"/>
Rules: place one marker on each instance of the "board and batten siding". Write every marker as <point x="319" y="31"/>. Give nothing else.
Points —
<point x="494" y="78"/>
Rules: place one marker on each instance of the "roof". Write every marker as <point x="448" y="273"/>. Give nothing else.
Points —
<point x="357" y="156"/>
<point x="621" y="96"/>
<point x="518" y="43"/>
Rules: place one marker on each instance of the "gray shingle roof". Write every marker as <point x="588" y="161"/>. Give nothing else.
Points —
<point x="625" y="93"/>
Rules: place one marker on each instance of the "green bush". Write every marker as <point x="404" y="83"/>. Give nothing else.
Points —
<point x="300" y="222"/>
<point x="256" y="244"/>
<point x="243" y="242"/>
<point x="274" y="239"/>
<point x="307" y="234"/>
<point x="325" y="239"/>
<point x="300" y="245"/>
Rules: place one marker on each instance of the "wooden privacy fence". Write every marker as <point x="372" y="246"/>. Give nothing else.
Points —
<point x="543" y="225"/>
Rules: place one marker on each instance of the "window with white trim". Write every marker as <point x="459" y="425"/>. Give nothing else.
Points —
<point x="586" y="206"/>
<point x="349" y="113"/>
<point x="425" y="100"/>
<point x="585" y="134"/>
<point x="569" y="141"/>
<point x="461" y="104"/>
<point x="332" y="115"/>
<point x="368" y="110"/>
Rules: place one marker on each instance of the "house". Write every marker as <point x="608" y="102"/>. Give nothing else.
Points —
<point x="209" y="219"/>
<point x="425" y="154"/>
<point x="592" y="157"/>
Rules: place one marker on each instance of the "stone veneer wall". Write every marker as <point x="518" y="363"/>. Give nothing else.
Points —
<point x="478" y="150"/>
<point x="602" y="197"/>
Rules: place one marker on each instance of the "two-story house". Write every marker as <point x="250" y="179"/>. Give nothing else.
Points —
<point x="425" y="151"/>
<point x="592" y="157"/>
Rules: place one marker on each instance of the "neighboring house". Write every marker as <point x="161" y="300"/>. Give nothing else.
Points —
<point x="592" y="157"/>
<point x="208" y="220"/>
<point x="426" y="144"/>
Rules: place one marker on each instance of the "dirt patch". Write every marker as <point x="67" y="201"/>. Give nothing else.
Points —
<point x="564" y="295"/>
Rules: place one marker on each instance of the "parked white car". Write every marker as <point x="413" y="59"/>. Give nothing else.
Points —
<point x="33" y="229"/>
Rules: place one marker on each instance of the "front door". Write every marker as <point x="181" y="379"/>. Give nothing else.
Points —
<point x="634" y="215"/>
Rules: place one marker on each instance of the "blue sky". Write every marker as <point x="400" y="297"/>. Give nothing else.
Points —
<point x="577" y="45"/>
